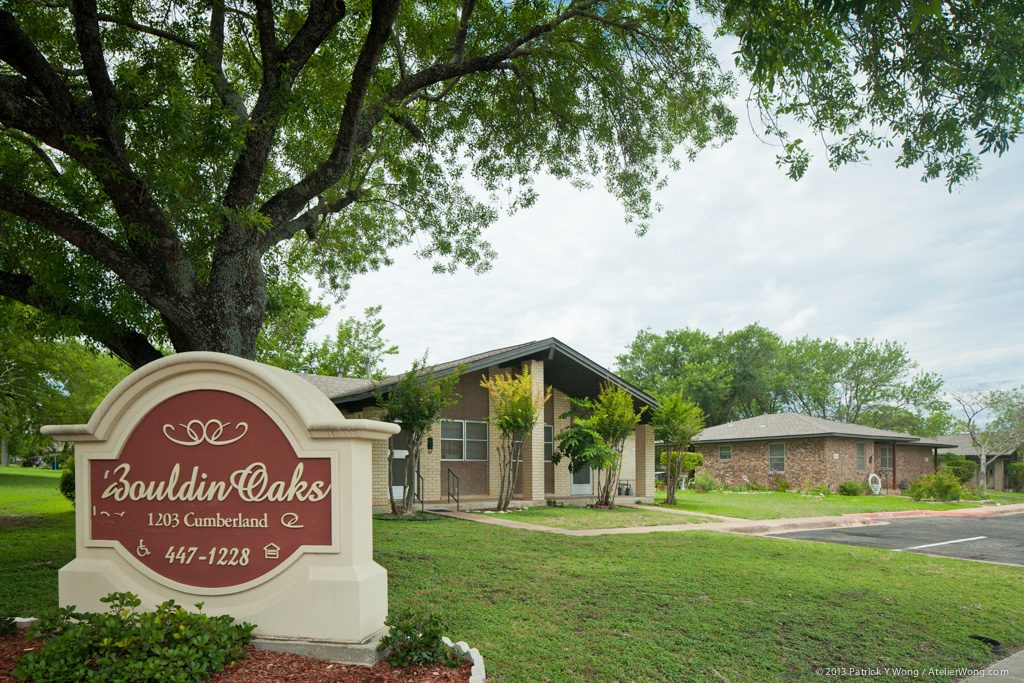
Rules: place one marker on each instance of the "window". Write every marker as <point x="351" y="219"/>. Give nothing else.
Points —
<point x="463" y="440"/>
<point x="725" y="452"/>
<point x="549" y="442"/>
<point x="861" y="460"/>
<point x="776" y="457"/>
<point x="885" y="457"/>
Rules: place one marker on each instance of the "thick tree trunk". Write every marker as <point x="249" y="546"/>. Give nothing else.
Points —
<point x="227" y="313"/>
<point x="5" y="456"/>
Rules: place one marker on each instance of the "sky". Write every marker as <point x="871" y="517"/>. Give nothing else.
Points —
<point x="865" y="251"/>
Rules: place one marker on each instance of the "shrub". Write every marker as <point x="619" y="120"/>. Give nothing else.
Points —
<point x="943" y="486"/>
<point x="972" y="493"/>
<point x="820" y="490"/>
<point x="851" y="488"/>
<point x="415" y="638"/>
<point x="704" y="482"/>
<point x="963" y="468"/>
<point x="67" y="480"/>
<point x="779" y="483"/>
<point x="8" y="627"/>
<point x="1016" y="472"/>
<point x="124" y="645"/>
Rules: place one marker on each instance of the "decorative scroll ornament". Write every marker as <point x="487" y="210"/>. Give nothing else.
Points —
<point x="209" y="432"/>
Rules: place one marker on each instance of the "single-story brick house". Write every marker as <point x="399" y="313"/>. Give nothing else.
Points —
<point x="801" y="448"/>
<point x="998" y="477"/>
<point x="461" y="452"/>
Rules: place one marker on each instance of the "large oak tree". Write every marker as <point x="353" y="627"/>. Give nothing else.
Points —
<point x="164" y="165"/>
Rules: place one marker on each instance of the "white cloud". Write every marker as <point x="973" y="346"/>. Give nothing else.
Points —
<point x="867" y="251"/>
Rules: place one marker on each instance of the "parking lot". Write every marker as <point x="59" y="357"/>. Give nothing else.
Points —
<point x="992" y="539"/>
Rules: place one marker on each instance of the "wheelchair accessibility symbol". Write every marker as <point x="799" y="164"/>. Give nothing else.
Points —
<point x="142" y="550"/>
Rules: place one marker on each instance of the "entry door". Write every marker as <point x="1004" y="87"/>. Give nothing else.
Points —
<point x="581" y="483"/>
<point x="400" y="443"/>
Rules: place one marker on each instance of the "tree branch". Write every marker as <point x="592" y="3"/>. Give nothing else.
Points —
<point x="321" y="19"/>
<point x="18" y="50"/>
<point x="214" y="57"/>
<point x="104" y="95"/>
<point x="459" y="45"/>
<point x="79" y="233"/>
<point x="356" y="125"/>
<point x="130" y="346"/>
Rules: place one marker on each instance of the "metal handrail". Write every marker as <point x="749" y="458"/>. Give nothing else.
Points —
<point x="452" y="475"/>
<point x="419" y="490"/>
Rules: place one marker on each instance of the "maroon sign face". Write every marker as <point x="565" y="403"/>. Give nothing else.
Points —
<point x="208" y="492"/>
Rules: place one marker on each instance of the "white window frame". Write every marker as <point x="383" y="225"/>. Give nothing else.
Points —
<point x="464" y="440"/>
<point x="770" y="469"/>
<point x="725" y="452"/>
<point x="883" y="451"/>
<point x="862" y="457"/>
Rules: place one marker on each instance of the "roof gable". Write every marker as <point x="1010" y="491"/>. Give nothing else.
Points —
<point x="571" y="371"/>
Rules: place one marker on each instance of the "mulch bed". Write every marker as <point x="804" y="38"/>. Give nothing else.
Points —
<point x="262" y="666"/>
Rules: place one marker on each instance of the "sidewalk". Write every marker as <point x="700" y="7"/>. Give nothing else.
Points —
<point x="737" y="526"/>
<point x="1013" y="666"/>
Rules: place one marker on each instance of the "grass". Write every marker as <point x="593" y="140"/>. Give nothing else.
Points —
<point x="571" y="517"/>
<point x="777" y="505"/>
<point x="651" y="607"/>
<point x="37" y="537"/>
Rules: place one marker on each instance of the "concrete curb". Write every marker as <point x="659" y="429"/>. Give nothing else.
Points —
<point x="469" y="654"/>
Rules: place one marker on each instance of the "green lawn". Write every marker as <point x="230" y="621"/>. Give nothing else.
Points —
<point x="570" y="517"/>
<point x="652" y="607"/>
<point x="37" y="537"/>
<point x="776" y="505"/>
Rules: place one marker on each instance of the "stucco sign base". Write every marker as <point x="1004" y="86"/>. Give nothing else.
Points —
<point x="207" y="478"/>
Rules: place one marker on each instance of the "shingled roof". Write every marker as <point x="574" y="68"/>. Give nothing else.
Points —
<point x="563" y="369"/>
<point x="795" y="425"/>
<point x="963" y="444"/>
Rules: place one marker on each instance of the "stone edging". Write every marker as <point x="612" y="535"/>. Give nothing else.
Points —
<point x="468" y="654"/>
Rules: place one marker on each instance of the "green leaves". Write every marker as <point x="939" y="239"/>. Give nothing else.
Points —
<point x="123" y="645"/>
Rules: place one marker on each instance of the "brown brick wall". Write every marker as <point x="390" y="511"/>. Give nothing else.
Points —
<point x="913" y="462"/>
<point x="805" y="459"/>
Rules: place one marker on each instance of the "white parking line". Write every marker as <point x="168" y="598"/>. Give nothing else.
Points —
<point x="959" y="540"/>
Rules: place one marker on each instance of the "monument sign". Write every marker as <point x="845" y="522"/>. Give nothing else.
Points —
<point x="205" y="477"/>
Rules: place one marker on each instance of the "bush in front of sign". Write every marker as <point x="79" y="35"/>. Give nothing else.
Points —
<point x="124" y="645"/>
<point x="415" y="638"/>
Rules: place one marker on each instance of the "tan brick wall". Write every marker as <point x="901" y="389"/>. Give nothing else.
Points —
<point x="563" y="478"/>
<point x="430" y="464"/>
<point x="627" y="468"/>
<point x="533" y="456"/>
<point x="644" y="484"/>
<point x="805" y="459"/>
<point x="493" y="439"/>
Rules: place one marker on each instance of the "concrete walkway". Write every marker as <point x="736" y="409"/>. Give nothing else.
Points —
<point x="738" y="526"/>
<point x="755" y="527"/>
<point x="1007" y="670"/>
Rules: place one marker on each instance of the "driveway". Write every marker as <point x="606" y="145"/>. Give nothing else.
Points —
<point x="992" y="539"/>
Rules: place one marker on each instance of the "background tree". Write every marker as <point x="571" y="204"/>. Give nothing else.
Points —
<point x="516" y="411"/>
<point x="961" y="466"/>
<point x="46" y="379"/>
<point x="596" y="437"/>
<point x="1004" y="430"/>
<point x="160" y="170"/>
<point x="753" y="371"/>
<point x="676" y="421"/>
<point x="416" y="402"/>
<point x="358" y="348"/>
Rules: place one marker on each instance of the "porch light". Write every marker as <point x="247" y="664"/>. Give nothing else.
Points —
<point x="430" y="444"/>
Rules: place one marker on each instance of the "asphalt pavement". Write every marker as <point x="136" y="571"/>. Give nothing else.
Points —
<point x="991" y="539"/>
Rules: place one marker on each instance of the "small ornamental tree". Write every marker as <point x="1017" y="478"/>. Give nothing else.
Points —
<point x="676" y="421"/>
<point x="516" y="409"/>
<point x="597" y="436"/>
<point x="416" y="402"/>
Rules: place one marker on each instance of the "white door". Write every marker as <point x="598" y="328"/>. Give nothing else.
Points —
<point x="581" y="484"/>
<point x="399" y="442"/>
